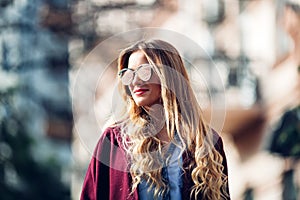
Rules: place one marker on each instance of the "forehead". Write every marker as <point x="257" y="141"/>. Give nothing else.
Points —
<point x="136" y="59"/>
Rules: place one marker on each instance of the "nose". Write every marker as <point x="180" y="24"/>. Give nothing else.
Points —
<point x="136" y="80"/>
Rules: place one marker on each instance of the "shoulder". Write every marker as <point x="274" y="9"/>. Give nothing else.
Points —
<point x="218" y="145"/>
<point x="109" y="138"/>
<point x="111" y="133"/>
<point x="109" y="142"/>
<point x="217" y="139"/>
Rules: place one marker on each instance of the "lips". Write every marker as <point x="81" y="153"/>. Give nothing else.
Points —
<point x="140" y="91"/>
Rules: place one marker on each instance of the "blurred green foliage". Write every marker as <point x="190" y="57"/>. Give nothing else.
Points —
<point x="22" y="176"/>
<point x="286" y="137"/>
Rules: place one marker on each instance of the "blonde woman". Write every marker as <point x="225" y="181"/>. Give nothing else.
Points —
<point x="161" y="148"/>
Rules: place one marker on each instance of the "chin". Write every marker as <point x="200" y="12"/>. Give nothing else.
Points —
<point x="140" y="102"/>
<point x="145" y="101"/>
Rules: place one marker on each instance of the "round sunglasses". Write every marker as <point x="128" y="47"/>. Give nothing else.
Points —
<point x="144" y="72"/>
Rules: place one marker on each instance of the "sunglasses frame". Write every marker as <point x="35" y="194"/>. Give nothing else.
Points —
<point x="122" y="72"/>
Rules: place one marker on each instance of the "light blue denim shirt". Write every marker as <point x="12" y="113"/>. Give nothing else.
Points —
<point x="172" y="172"/>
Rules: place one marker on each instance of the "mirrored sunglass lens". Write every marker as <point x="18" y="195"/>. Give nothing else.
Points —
<point x="127" y="77"/>
<point x="144" y="72"/>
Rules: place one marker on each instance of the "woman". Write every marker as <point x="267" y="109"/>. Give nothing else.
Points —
<point x="161" y="148"/>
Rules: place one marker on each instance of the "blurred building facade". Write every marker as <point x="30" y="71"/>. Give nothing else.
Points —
<point x="245" y="39"/>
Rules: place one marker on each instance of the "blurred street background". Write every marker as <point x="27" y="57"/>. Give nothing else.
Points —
<point x="46" y="131"/>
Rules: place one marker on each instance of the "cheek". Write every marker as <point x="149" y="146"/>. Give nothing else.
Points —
<point x="156" y="91"/>
<point x="155" y="80"/>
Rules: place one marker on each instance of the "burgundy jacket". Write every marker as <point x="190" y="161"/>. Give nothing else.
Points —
<point x="107" y="176"/>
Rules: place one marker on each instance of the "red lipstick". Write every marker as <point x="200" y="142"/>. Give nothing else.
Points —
<point x="140" y="91"/>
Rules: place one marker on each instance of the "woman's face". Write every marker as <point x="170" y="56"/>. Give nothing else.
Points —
<point x="144" y="93"/>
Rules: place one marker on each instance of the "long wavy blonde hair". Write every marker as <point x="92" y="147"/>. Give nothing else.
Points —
<point x="184" y="124"/>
